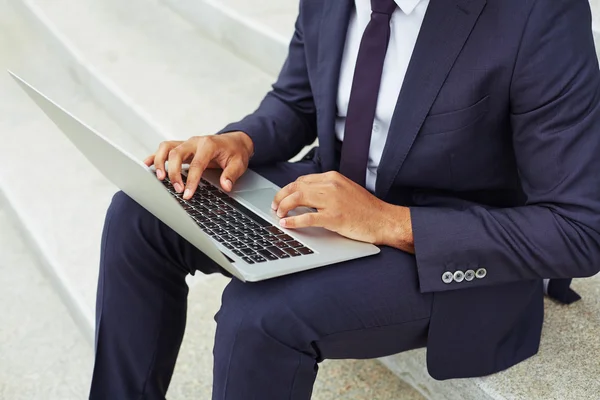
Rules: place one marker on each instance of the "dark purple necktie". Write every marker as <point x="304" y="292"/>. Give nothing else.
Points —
<point x="365" y="90"/>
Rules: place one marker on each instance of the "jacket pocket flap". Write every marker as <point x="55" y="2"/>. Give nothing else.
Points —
<point x="453" y="120"/>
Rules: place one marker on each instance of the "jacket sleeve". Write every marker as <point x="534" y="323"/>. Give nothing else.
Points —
<point x="555" y="116"/>
<point x="285" y="121"/>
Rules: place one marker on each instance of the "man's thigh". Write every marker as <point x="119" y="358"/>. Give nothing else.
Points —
<point x="363" y="308"/>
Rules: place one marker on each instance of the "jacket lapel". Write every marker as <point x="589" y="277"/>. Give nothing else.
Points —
<point x="445" y="29"/>
<point x="332" y="38"/>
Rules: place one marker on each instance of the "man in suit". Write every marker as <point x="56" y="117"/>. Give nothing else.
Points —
<point x="466" y="134"/>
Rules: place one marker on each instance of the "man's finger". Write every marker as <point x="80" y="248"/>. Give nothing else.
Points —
<point x="285" y="192"/>
<point x="203" y="154"/>
<point x="197" y="168"/>
<point x="176" y="157"/>
<point x="316" y="189"/>
<point x="305" y="196"/>
<point x="149" y="160"/>
<point x="303" y="180"/>
<point x="232" y="172"/>
<point x="303" y="221"/>
<point x="160" y="157"/>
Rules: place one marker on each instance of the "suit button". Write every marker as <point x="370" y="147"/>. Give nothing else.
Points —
<point x="459" y="276"/>
<point x="447" y="277"/>
<point x="469" y="275"/>
<point x="481" y="273"/>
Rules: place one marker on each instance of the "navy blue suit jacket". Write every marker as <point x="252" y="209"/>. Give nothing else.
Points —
<point x="494" y="145"/>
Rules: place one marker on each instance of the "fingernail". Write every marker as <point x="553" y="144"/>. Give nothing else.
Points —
<point x="187" y="194"/>
<point x="283" y="222"/>
<point x="280" y="214"/>
<point x="228" y="184"/>
<point x="159" y="173"/>
<point x="274" y="206"/>
<point x="178" y="188"/>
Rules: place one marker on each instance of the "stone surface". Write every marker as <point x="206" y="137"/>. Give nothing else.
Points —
<point x="256" y="31"/>
<point x="278" y="15"/>
<point x="187" y="83"/>
<point x="567" y="366"/>
<point x="60" y="194"/>
<point x="42" y="353"/>
<point x="180" y="86"/>
<point x="58" y="217"/>
<point x="568" y="363"/>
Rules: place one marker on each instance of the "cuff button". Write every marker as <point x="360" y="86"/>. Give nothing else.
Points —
<point x="469" y="275"/>
<point x="459" y="276"/>
<point x="447" y="277"/>
<point x="481" y="273"/>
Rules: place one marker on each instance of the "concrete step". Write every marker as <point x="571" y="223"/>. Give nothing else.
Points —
<point x="52" y="217"/>
<point x="149" y="63"/>
<point x="566" y="367"/>
<point x="55" y="196"/>
<point x="184" y="82"/>
<point x="42" y="352"/>
<point x="259" y="31"/>
<point x="159" y="78"/>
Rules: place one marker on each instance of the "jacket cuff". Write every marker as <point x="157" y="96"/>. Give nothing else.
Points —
<point x="439" y="239"/>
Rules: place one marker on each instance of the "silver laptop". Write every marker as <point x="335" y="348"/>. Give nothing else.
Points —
<point x="239" y="230"/>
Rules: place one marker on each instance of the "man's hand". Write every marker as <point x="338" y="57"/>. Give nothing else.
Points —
<point x="230" y="151"/>
<point x="346" y="208"/>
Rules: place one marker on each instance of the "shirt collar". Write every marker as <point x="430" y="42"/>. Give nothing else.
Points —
<point x="407" y="6"/>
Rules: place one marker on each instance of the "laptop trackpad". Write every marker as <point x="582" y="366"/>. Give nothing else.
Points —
<point x="259" y="198"/>
<point x="262" y="199"/>
<point x="249" y="181"/>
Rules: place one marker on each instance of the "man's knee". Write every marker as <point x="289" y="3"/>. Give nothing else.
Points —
<point x="124" y="209"/>
<point x="265" y="311"/>
<point x="128" y="227"/>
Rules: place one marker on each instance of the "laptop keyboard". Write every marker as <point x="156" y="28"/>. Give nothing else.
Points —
<point x="238" y="229"/>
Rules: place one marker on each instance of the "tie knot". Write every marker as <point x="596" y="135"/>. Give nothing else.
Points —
<point x="383" y="6"/>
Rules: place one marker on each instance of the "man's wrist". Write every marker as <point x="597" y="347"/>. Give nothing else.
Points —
<point x="398" y="228"/>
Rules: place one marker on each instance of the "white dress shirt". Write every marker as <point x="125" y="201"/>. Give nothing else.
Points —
<point x="405" y="26"/>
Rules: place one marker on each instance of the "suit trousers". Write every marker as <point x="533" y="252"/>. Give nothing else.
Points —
<point x="270" y="335"/>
